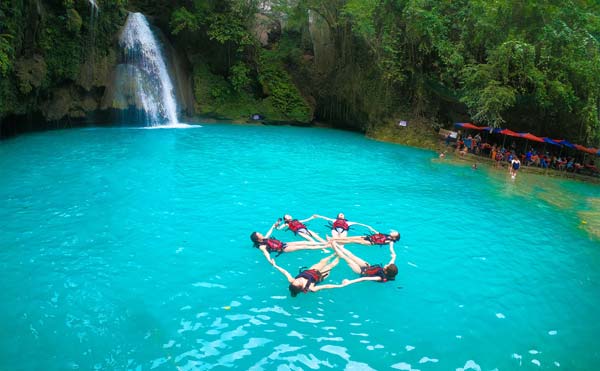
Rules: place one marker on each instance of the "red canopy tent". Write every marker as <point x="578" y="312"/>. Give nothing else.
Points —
<point x="468" y="125"/>
<point x="531" y="137"/>
<point x="509" y="132"/>
<point x="585" y="149"/>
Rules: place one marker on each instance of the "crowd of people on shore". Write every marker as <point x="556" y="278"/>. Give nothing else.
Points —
<point x="511" y="157"/>
<point x="310" y="279"/>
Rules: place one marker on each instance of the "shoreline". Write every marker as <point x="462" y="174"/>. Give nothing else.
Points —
<point x="552" y="173"/>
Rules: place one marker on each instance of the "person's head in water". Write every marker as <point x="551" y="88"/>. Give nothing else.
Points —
<point x="257" y="238"/>
<point x="296" y="287"/>
<point x="390" y="271"/>
<point x="394" y="235"/>
<point x="341" y="216"/>
<point x="287" y="218"/>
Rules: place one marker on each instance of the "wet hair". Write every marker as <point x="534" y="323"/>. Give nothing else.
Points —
<point x="294" y="290"/>
<point x="390" y="271"/>
<point x="392" y="235"/>
<point x="254" y="238"/>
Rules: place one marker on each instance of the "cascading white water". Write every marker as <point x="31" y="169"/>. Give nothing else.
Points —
<point x="147" y="72"/>
<point x="94" y="5"/>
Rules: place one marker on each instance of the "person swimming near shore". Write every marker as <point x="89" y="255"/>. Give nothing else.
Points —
<point x="339" y="225"/>
<point x="307" y="280"/>
<point x="299" y="228"/>
<point x="515" y="164"/>
<point x="367" y="271"/>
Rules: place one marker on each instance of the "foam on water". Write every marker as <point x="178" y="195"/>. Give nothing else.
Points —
<point x="129" y="249"/>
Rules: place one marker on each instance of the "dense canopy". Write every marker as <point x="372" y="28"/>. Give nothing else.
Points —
<point x="532" y="65"/>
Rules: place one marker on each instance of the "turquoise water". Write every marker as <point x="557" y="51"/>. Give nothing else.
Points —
<point x="129" y="249"/>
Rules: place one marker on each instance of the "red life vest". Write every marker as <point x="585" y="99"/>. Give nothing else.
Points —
<point x="295" y="225"/>
<point x="378" y="239"/>
<point x="340" y="223"/>
<point x="374" y="271"/>
<point x="274" y="245"/>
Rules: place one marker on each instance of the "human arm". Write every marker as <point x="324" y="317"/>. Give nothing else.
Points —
<point x="283" y="271"/>
<point x="322" y="217"/>
<point x="272" y="228"/>
<point x="361" y="279"/>
<point x="328" y="286"/>
<point x="266" y="254"/>
<point x="363" y="225"/>
<point x="308" y="219"/>
<point x="392" y="253"/>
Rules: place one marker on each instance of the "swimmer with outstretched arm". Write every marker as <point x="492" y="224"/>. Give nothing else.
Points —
<point x="268" y="244"/>
<point x="339" y="225"/>
<point x="307" y="280"/>
<point x="367" y="271"/>
<point x="298" y="227"/>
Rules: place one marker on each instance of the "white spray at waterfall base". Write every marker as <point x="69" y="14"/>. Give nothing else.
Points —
<point x="153" y="87"/>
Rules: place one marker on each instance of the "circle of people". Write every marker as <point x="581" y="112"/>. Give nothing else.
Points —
<point x="309" y="280"/>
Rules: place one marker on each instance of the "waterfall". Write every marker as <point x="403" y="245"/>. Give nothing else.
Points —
<point x="94" y="6"/>
<point x="145" y="73"/>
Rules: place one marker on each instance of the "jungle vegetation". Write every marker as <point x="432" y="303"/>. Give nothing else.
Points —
<point x="531" y="65"/>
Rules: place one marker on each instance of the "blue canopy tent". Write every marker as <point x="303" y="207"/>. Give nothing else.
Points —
<point x="551" y="141"/>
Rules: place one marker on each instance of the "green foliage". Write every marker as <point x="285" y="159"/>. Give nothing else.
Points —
<point x="487" y="107"/>
<point x="63" y="51"/>
<point x="361" y="14"/>
<point x="74" y="21"/>
<point x="210" y="90"/>
<point x="239" y="77"/>
<point x="229" y="28"/>
<point x="183" y="19"/>
<point x="281" y="91"/>
<point x="6" y="54"/>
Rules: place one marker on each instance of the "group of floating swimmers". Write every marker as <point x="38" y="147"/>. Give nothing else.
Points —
<point x="307" y="279"/>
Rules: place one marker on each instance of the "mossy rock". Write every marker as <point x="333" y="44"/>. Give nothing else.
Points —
<point x="417" y="133"/>
<point x="30" y="73"/>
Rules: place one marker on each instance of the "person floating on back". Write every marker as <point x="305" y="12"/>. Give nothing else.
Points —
<point x="298" y="227"/>
<point x="372" y="239"/>
<point x="339" y="225"/>
<point x="367" y="271"/>
<point x="307" y="280"/>
<point x="268" y="244"/>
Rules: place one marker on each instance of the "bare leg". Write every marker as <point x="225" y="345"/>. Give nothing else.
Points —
<point x="311" y="236"/>
<point x="353" y="239"/>
<point x="292" y="248"/>
<point x="326" y="269"/>
<point x="354" y="262"/>
<point x="323" y="262"/>
<point x="335" y="234"/>
<point x="306" y="243"/>
<point x="307" y="237"/>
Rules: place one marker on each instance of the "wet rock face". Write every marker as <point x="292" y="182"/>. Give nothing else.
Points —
<point x="323" y="43"/>
<point x="30" y="73"/>
<point x="266" y="29"/>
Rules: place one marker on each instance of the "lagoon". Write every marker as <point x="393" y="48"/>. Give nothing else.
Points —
<point x="129" y="249"/>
